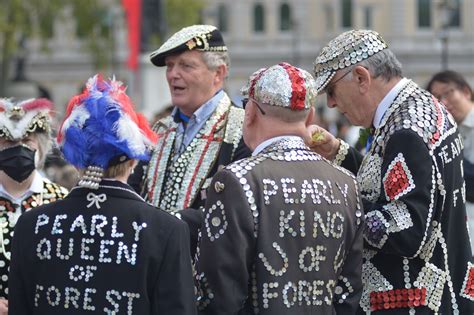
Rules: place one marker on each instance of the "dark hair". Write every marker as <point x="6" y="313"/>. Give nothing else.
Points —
<point x="449" y="76"/>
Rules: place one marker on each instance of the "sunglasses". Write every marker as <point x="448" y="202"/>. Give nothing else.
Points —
<point x="330" y="88"/>
<point x="245" y="102"/>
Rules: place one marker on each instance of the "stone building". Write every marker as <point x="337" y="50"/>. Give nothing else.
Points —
<point x="426" y="35"/>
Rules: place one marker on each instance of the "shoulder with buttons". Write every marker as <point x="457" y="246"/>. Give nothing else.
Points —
<point x="416" y="110"/>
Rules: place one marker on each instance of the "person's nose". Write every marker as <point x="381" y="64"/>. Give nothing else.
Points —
<point x="173" y="73"/>
<point x="331" y="102"/>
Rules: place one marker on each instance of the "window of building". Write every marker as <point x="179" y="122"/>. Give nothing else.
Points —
<point x="455" y="16"/>
<point x="368" y="17"/>
<point x="285" y="17"/>
<point x="223" y="18"/>
<point x="424" y="13"/>
<point x="346" y="7"/>
<point x="258" y="18"/>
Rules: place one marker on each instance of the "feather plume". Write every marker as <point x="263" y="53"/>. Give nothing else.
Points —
<point x="40" y="103"/>
<point x="101" y="124"/>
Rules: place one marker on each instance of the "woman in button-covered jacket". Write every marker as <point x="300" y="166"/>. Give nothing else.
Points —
<point x="102" y="248"/>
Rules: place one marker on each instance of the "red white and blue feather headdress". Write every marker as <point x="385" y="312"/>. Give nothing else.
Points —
<point x="101" y="127"/>
<point x="18" y="119"/>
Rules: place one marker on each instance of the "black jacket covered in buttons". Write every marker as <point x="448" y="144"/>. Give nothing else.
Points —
<point x="101" y="251"/>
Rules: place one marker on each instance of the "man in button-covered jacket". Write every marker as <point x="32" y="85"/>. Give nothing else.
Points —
<point x="283" y="229"/>
<point x="416" y="255"/>
<point x="202" y="134"/>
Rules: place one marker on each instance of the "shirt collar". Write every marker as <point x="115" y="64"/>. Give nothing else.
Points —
<point x="37" y="184"/>
<point x="270" y="141"/>
<point x="386" y="101"/>
<point x="204" y="111"/>
<point x="35" y="188"/>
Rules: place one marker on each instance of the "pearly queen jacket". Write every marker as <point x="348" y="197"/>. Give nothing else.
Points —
<point x="101" y="251"/>
<point x="179" y="185"/>
<point x="282" y="234"/>
<point x="417" y="253"/>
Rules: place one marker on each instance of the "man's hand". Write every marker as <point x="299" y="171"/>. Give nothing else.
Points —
<point x="322" y="142"/>
<point x="3" y="307"/>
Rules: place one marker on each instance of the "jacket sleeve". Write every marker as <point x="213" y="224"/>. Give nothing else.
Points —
<point x="398" y="222"/>
<point x="174" y="290"/>
<point x="193" y="217"/>
<point x="346" y="301"/>
<point x="226" y="247"/>
<point x="19" y="303"/>
<point x="352" y="160"/>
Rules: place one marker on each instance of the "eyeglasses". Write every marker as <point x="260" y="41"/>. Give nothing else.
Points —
<point x="330" y="87"/>
<point x="445" y="95"/>
<point x="245" y="102"/>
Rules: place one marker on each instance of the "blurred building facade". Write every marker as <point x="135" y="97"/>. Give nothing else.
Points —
<point x="426" y="35"/>
<point x="61" y="64"/>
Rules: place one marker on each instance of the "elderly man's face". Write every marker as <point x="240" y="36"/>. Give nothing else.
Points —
<point x="190" y="81"/>
<point x="342" y="93"/>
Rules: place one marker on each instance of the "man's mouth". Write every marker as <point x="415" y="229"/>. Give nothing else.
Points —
<point x="178" y="89"/>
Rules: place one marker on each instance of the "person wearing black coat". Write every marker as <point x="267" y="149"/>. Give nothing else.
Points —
<point x="282" y="232"/>
<point x="102" y="249"/>
<point x="417" y="255"/>
<point x="202" y="134"/>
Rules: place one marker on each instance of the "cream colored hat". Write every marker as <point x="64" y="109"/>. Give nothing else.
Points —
<point x="18" y="119"/>
<point x="196" y="37"/>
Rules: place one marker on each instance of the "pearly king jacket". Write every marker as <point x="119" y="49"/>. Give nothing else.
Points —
<point x="282" y="234"/>
<point x="179" y="185"/>
<point x="101" y="251"/>
<point x="416" y="258"/>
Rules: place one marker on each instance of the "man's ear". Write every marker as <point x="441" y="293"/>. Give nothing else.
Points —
<point x="249" y="115"/>
<point x="221" y="74"/>
<point x="466" y="92"/>
<point x="363" y="78"/>
<point x="310" y="117"/>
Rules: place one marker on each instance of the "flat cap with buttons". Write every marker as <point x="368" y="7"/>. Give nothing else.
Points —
<point x="196" y="37"/>
<point x="347" y="49"/>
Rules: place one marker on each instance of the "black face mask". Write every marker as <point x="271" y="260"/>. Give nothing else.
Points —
<point x="17" y="162"/>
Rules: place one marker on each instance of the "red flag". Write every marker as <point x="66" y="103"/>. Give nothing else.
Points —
<point x="133" y="10"/>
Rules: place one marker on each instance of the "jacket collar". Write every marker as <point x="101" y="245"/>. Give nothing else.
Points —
<point x="109" y="187"/>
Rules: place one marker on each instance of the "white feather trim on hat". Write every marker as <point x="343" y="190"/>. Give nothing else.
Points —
<point x="77" y="118"/>
<point x="128" y="131"/>
<point x="17" y="120"/>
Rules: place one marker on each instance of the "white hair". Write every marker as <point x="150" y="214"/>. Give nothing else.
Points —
<point x="214" y="59"/>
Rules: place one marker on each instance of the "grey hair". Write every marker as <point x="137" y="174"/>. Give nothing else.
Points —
<point x="285" y="114"/>
<point x="45" y="143"/>
<point x="214" y="59"/>
<point x="384" y="64"/>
